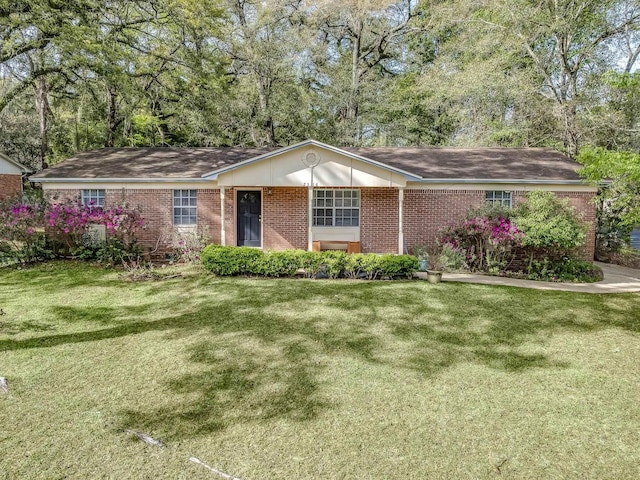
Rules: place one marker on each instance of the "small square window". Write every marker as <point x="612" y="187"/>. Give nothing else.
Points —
<point x="499" y="198"/>
<point x="93" y="198"/>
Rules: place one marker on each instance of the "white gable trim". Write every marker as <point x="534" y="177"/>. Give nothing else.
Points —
<point x="14" y="163"/>
<point x="310" y="143"/>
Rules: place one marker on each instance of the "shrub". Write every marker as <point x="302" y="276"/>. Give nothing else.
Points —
<point x="550" y="226"/>
<point x="361" y="265"/>
<point x="567" y="269"/>
<point x="69" y="221"/>
<point x="115" y="252"/>
<point x="21" y="231"/>
<point x="227" y="260"/>
<point x="332" y="263"/>
<point x="452" y="259"/>
<point x="278" y="264"/>
<point x="223" y="260"/>
<point x="397" y="266"/>
<point x="485" y="237"/>
<point x="186" y="245"/>
<point x="327" y="264"/>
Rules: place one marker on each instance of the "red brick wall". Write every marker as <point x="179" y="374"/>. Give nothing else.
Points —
<point x="156" y="207"/>
<point x="10" y="186"/>
<point x="62" y="194"/>
<point x="209" y="213"/>
<point x="427" y="211"/>
<point x="379" y="221"/>
<point x="285" y="220"/>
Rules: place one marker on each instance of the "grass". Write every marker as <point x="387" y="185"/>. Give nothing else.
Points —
<point x="313" y="379"/>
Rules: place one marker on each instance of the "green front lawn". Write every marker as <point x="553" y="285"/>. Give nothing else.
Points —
<point x="302" y="379"/>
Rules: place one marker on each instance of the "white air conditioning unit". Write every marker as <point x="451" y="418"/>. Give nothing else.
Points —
<point x="94" y="234"/>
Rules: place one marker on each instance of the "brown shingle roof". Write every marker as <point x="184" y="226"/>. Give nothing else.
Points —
<point x="527" y="164"/>
<point x="170" y="163"/>
<point x="476" y="163"/>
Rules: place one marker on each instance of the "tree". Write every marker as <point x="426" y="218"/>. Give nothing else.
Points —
<point x="619" y="199"/>
<point x="567" y="42"/>
<point x="360" y="46"/>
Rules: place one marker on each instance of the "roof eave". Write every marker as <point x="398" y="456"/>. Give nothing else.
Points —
<point x="35" y="179"/>
<point x="504" y="181"/>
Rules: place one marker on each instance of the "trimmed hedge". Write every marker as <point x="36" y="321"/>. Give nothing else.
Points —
<point x="226" y="261"/>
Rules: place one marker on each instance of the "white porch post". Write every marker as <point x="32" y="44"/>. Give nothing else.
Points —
<point x="223" y="239"/>
<point x="400" y="220"/>
<point x="310" y="215"/>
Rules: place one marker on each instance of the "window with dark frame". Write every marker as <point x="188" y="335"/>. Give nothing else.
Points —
<point x="336" y="208"/>
<point x="501" y="198"/>
<point x="185" y="207"/>
<point x="93" y="198"/>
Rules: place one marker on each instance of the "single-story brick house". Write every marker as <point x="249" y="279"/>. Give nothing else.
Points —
<point x="11" y="173"/>
<point x="379" y="199"/>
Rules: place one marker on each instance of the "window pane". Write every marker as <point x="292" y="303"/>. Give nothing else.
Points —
<point x="93" y="197"/>
<point x="338" y="208"/>
<point x="498" y="197"/>
<point x="185" y="210"/>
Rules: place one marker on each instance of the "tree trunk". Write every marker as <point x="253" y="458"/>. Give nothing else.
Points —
<point x="571" y="129"/>
<point x="354" y="92"/>
<point x="112" y="116"/>
<point x="264" y="92"/>
<point x="42" y="105"/>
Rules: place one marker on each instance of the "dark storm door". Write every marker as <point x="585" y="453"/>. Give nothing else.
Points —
<point x="249" y="208"/>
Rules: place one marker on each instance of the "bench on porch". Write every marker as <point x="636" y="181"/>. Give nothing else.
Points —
<point x="349" y="247"/>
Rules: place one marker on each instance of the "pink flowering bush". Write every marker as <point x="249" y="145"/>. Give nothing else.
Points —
<point x="21" y="232"/>
<point x="20" y="220"/>
<point x="67" y="224"/>
<point x="487" y="241"/>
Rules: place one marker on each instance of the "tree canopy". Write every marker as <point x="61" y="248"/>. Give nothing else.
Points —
<point x="86" y="74"/>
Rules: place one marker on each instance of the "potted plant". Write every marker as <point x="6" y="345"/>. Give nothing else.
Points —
<point x="422" y="254"/>
<point x="435" y="266"/>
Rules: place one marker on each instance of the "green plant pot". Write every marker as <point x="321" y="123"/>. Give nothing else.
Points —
<point x="434" y="276"/>
<point x="423" y="265"/>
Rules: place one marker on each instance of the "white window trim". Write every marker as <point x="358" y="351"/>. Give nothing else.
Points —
<point x="334" y="208"/>
<point x="174" y="206"/>
<point x="490" y="197"/>
<point x="95" y="195"/>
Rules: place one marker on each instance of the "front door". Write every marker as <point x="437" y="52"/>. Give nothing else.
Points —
<point x="249" y="208"/>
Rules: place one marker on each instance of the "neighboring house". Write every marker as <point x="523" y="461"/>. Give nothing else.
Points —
<point x="635" y="238"/>
<point x="380" y="199"/>
<point x="10" y="177"/>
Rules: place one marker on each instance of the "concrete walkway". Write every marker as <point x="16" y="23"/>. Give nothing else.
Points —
<point x="617" y="279"/>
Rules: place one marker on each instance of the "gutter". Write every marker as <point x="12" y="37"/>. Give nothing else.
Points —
<point x="503" y="180"/>
<point x="117" y="180"/>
